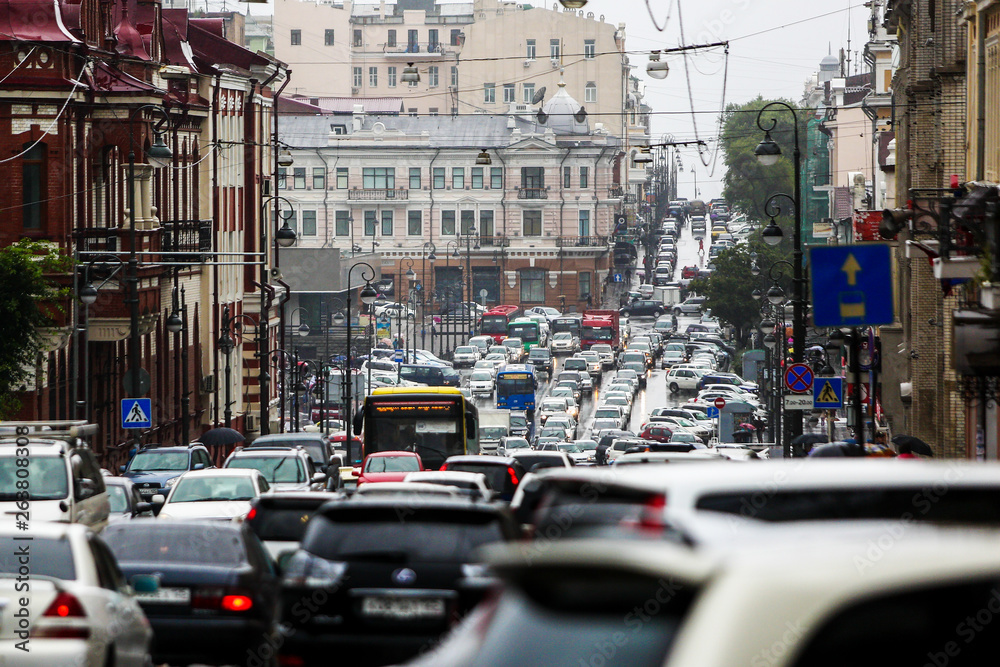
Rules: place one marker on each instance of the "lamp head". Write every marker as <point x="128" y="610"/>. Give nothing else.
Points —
<point x="159" y="154"/>
<point x="285" y="236"/>
<point x="88" y="294"/>
<point x="285" y="158"/>
<point x="483" y="157"/>
<point x="410" y="74"/>
<point x="766" y="325"/>
<point x="756" y="294"/>
<point x="338" y="318"/>
<point x="772" y="233"/>
<point x="770" y="341"/>
<point x="657" y="68"/>
<point x="303" y="329"/>
<point x="174" y="322"/>
<point x="754" y="269"/>
<point x="776" y="295"/>
<point x="767" y="151"/>
<point x="411" y="275"/>
<point x="368" y="294"/>
<point x="431" y="257"/>
<point x="573" y="4"/>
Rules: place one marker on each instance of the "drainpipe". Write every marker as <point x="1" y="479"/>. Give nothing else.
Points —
<point x="980" y="96"/>
<point x="215" y="270"/>
<point x="562" y="205"/>
<point x="503" y="207"/>
<point x="326" y="197"/>
<point x="430" y="224"/>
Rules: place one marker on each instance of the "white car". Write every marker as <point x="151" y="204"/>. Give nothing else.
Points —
<point x="564" y="342"/>
<point x="284" y="468"/>
<point x="620" y="400"/>
<point x="486" y="365"/>
<point x="616" y="393"/>
<point x="481" y="382"/>
<point x="395" y="310"/>
<point x="212" y="494"/>
<point x="498" y="359"/>
<point x="612" y="412"/>
<point x="515" y="349"/>
<point x="605" y="353"/>
<point x="466" y="356"/>
<point x="682" y="379"/>
<point x="471" y="483"/>
<point x="547" y="312"/>
<point x="76" y="605"/>
<point x="484" y="343"/>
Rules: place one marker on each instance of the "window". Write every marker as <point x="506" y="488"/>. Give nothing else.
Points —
<point x="308" y="223"/>
<point x="533" y="178"/>
<point x="468" y="222"/>
<point x="584" y="177"/>
<point x="530" y="54"/>
<point x="371" y="220"/>
<point x="341" y="178"/>
<point x="590" y="93"/>
<point x="391" y="39"/>
<point x="296" y="38"/>
<point x="438" y="178"/>
<point x="414" y="178"/>
<point x="432" y="111"/>
<point x="447" y="223"/>
<point x="327" y="37"/>
<point x="496" y="178"/>
<point x="458" y="178"/>
<point x="32" y="184"/>
<point x="477" y="178"/>
<point x="485" y="224"/>
<point x="373" y="77"/>
<point x="390" y="75"/>
<point x="319" y="178"/>
<point x="583" y="280"/>
<point x="589" y="49"/>
<point x="291" y="217"/>
<point x="414" y="223"/>
<point x="282" y="178"/>
<point x="357" y="77"/>
<point x="532" y="223"/>
<point x="432" y="40"/>
<point x="529" y="92"/>
<point x="509" y="93"/>
<point x="456" y="36"/>
<point x="412" y="42"/>
<point x="432" y="77"/>
<point x="584" y="223"/>
<point x="489" y="93"/>
<point x="387" y="223"/>
<point x="379" y="178"/>
<point x="357" y="38"/>
<point x="567" y="177"/>
<point x="533" y="285"/>
<point x="554" y="49"/>
<point x="300" y="178"/>
<point x="343" y="223"/>
<point x="454" y="76"/>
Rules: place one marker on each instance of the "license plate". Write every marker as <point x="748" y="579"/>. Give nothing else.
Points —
<point x="148" y="492"/>
<point x="166" y="596"/>
<point x="402" y="608"/>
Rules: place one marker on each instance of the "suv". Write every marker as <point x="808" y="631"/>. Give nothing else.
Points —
<point x="65" y="479"/>
<point x="316" y="445"/>
<point x="540" y="358"/>
<point x="502" y="473"/>
<point x="374" y="570"/>
<point x="279" y="520"/>
<point x="284" y="468"/>
<point x="644" y="307"/>
<point x="690" y="306"/>
<point x="154" y="469"/>
<point x="682" y="378"/>
<point x="432" y="376"/>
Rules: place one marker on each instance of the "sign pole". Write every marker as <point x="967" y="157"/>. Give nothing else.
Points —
<point x="859" y="409"/>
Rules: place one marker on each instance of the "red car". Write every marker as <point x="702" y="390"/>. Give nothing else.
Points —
<point x="657" y="432"/>
<point x="689" y="273"/>
<point x="388" y="467"/>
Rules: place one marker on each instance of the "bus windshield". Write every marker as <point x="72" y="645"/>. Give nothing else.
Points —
<point x="515" y="383"/>
<point x="526" y="331"/>
<point x="433" y="428"/>
<point x="570" y="324"/>
<point x="494" y="324"/>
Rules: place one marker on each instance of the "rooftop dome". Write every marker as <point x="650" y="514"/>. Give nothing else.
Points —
<point x="561" y="111"/>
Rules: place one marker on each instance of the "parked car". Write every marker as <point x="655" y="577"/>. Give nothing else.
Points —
<point x="66" y="601"/>
<point x="218" y="598"/>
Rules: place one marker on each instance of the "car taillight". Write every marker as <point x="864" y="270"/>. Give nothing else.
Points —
<point x="64" y="606"/>
<point x="225" y="599"/>
<point x="251" y="514"/>
<point x="236" y="602"/>
<point x="651" y="516"/>
<point x="513" y="476"/>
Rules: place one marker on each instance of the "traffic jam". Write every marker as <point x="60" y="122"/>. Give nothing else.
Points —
<point x="568" y="490"/>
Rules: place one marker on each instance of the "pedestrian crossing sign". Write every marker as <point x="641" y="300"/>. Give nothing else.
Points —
<point x="828" y="393"/>
<point x="137" y="413"/>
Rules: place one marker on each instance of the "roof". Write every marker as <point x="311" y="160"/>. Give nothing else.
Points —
<point x="34" y="21"/>
<point x="345" y="105"/>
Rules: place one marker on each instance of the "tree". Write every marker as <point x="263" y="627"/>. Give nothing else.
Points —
<point x="729" y="290"/>
<point x="747" y="183"/>
<point x="28" y="300"/>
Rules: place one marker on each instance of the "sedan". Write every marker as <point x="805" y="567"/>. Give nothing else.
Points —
<point x="564" y="342"/>
<point x="395" y="310"/>
<point x="498" y="359"/>
<point x="481" y="383"/>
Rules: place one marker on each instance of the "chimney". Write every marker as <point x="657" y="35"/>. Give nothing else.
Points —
<point x="359" y="116"/>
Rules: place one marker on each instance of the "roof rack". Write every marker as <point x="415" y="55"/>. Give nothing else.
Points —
<point x="78" y="428"/>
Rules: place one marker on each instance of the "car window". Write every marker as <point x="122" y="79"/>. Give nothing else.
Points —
<point x="280" y="469"/>
<point x="158" y="542"/>
<point x="158" y="461"/>
<point x="49" y="558"/>
<point x="286" y="524"/>
<point x="392" y="464"/>
<point x="48" y="476"/>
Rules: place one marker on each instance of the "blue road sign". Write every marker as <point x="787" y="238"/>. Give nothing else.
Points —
<point x="712" y="412"/>
<point x="828" y="393"/>
<point x="851" y="285"/>
<point x="137" y="413"/>
<point x="799" y="378"/>
<point x="399" y="357"/>
<point x="618" y="278"/>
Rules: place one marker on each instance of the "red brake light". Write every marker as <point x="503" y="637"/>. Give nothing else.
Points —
<point x="652" y="513"/>
<point x="236" y="603"/>
<point x="65" y="606"/>
<point x="513" y="476"/>
<point x="251" y="514"/>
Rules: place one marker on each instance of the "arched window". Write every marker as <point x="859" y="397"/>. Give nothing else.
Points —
<point x="590" y="93"/>
<point x="33" y="180"/>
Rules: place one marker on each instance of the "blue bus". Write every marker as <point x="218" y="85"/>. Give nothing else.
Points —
<point x="516" y="385"/>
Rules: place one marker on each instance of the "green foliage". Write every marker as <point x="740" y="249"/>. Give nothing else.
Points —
<point x="747" y="183"/>
<point x="27" y="301"/>
<point x="729" y="290"/>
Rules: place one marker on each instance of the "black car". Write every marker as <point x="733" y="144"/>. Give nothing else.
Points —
<point x="279" y="519"/>
<point x="503" y="474"/>
<point x="384" y="578"/>
<point x="218" y="599"/>
<point x="540" y="358"/>
<point x="432" y="376"/>
<point x="644" y="307"/>
<point x="153" y="466"/>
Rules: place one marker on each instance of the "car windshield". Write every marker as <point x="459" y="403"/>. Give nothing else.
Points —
<point x="600" y="348"/>
<point x="496" y="356"/>
<point x="553" y="406"/>
<point x="575" y="364"/>
<point x="616" y="400"/>
<point x="392" y="464"/>
<point x="151" y="461"/>
<point x="482" y="376"/>
<point x="563" y="335"/>
<point x="602" y="423"/>
<point x="162" y="543"/>
<point x="204" y="489"/>
<point x="570" y="447"/>
<point x="465" y="349"/>
<point x="47" y="476"/>
<point x="539" y="353"/>
<point x="276" y="469"/>
<point x="516" y="443"/>
<point x="563" y="391"/>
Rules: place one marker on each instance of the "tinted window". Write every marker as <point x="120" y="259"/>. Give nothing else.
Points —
<point x="430" y="535"/>
<point x="47" y="476"/>
<point x="286" y="524"/>
<point x="497" y="476"/>
<point x="280" y="469"/>
<point x="157" y="542"/>
<point x="49" y="558"/>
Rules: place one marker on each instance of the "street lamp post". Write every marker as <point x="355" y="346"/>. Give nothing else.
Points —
<point x="411" y="304"/>
<point x="423" y="291"/>
<point x="368" y="296"/>
<point x="178" y="323"/>
<point x="768" y="152"/>
<point x="411" y="278"/>
<point x="230" y="330"/>
<point x="470" y="298"/>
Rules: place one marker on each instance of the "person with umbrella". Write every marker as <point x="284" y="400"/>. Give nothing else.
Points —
<point x="911" y="447"/>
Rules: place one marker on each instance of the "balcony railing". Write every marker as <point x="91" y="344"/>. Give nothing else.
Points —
<point x="494" y="241"/>
<point x="424" y="48"/>
<point x="582" y="241"/>
<point x="186" y="236"/>
<point x="628" y="198"/>
<point x="532" y="193"/>
<point x="377" y="194"/>
<point x="97" y="239"/>
<point x="615" y="192"/>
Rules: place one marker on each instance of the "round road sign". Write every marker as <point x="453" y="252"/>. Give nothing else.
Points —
<point x="720" y="402"/>
<point x="799" y="378"/>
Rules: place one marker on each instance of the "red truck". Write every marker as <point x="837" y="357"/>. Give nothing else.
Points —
<point x="600" y="326"/>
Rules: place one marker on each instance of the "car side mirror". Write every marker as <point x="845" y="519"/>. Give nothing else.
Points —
<point x="142" y="507"/>
<point x="198" y="466"/>
<point x="356" y="472"/>
<point x="121" y="468"/>
<point x="318" y="477"/>
<point x="158" y="499"/>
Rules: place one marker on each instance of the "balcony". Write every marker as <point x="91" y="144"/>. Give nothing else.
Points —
<point x="582" y="241"/>
<point x="494" y="241"/>
<point x="628" y="198"/>
<point x="532" y="193"/>
<point x="377" y="194"/>
<point x="186" y="236"/>
<point x="415" y="51"/>
<point x="97" y="239"/>
<point x="615" y="192"/>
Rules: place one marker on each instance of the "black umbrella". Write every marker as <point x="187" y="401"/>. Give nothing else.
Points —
<point x="912" y="444"/>
<point x="221" y="436"/>
<point x="802" y="444"/>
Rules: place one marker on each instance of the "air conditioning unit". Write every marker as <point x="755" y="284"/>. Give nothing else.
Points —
<point x="250" y="422"/>
<point x="207" y="384"/>
<point x="555" y="62"/>
<point x="527" y="63"/>
<point x="355" y="91"/>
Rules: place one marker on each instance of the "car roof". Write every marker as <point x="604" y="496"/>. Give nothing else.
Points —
<point x="482" y="459"/>
<point x="394" y="452"/>
<point x="457" y="475"/>
<point x="284" y="437"/>
<point x="222" y="472"/>
<point x="458" y="503"/>
<point x="265" y="452"/>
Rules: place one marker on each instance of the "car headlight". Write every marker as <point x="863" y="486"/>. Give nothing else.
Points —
<point x="170" y="482"/>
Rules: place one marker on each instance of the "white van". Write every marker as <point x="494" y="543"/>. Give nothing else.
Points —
<point x="61" y="474"/>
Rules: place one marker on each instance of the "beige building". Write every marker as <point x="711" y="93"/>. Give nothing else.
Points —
<point x="484" y="56"/>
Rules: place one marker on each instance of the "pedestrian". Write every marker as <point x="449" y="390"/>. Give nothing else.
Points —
<point x="601" y="455"/>
<point x="590" y="301"/>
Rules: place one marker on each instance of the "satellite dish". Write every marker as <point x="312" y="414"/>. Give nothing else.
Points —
<point x="542" y="117"/>
<point x="538" y="96"/>
<point x="581" y="115"/>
